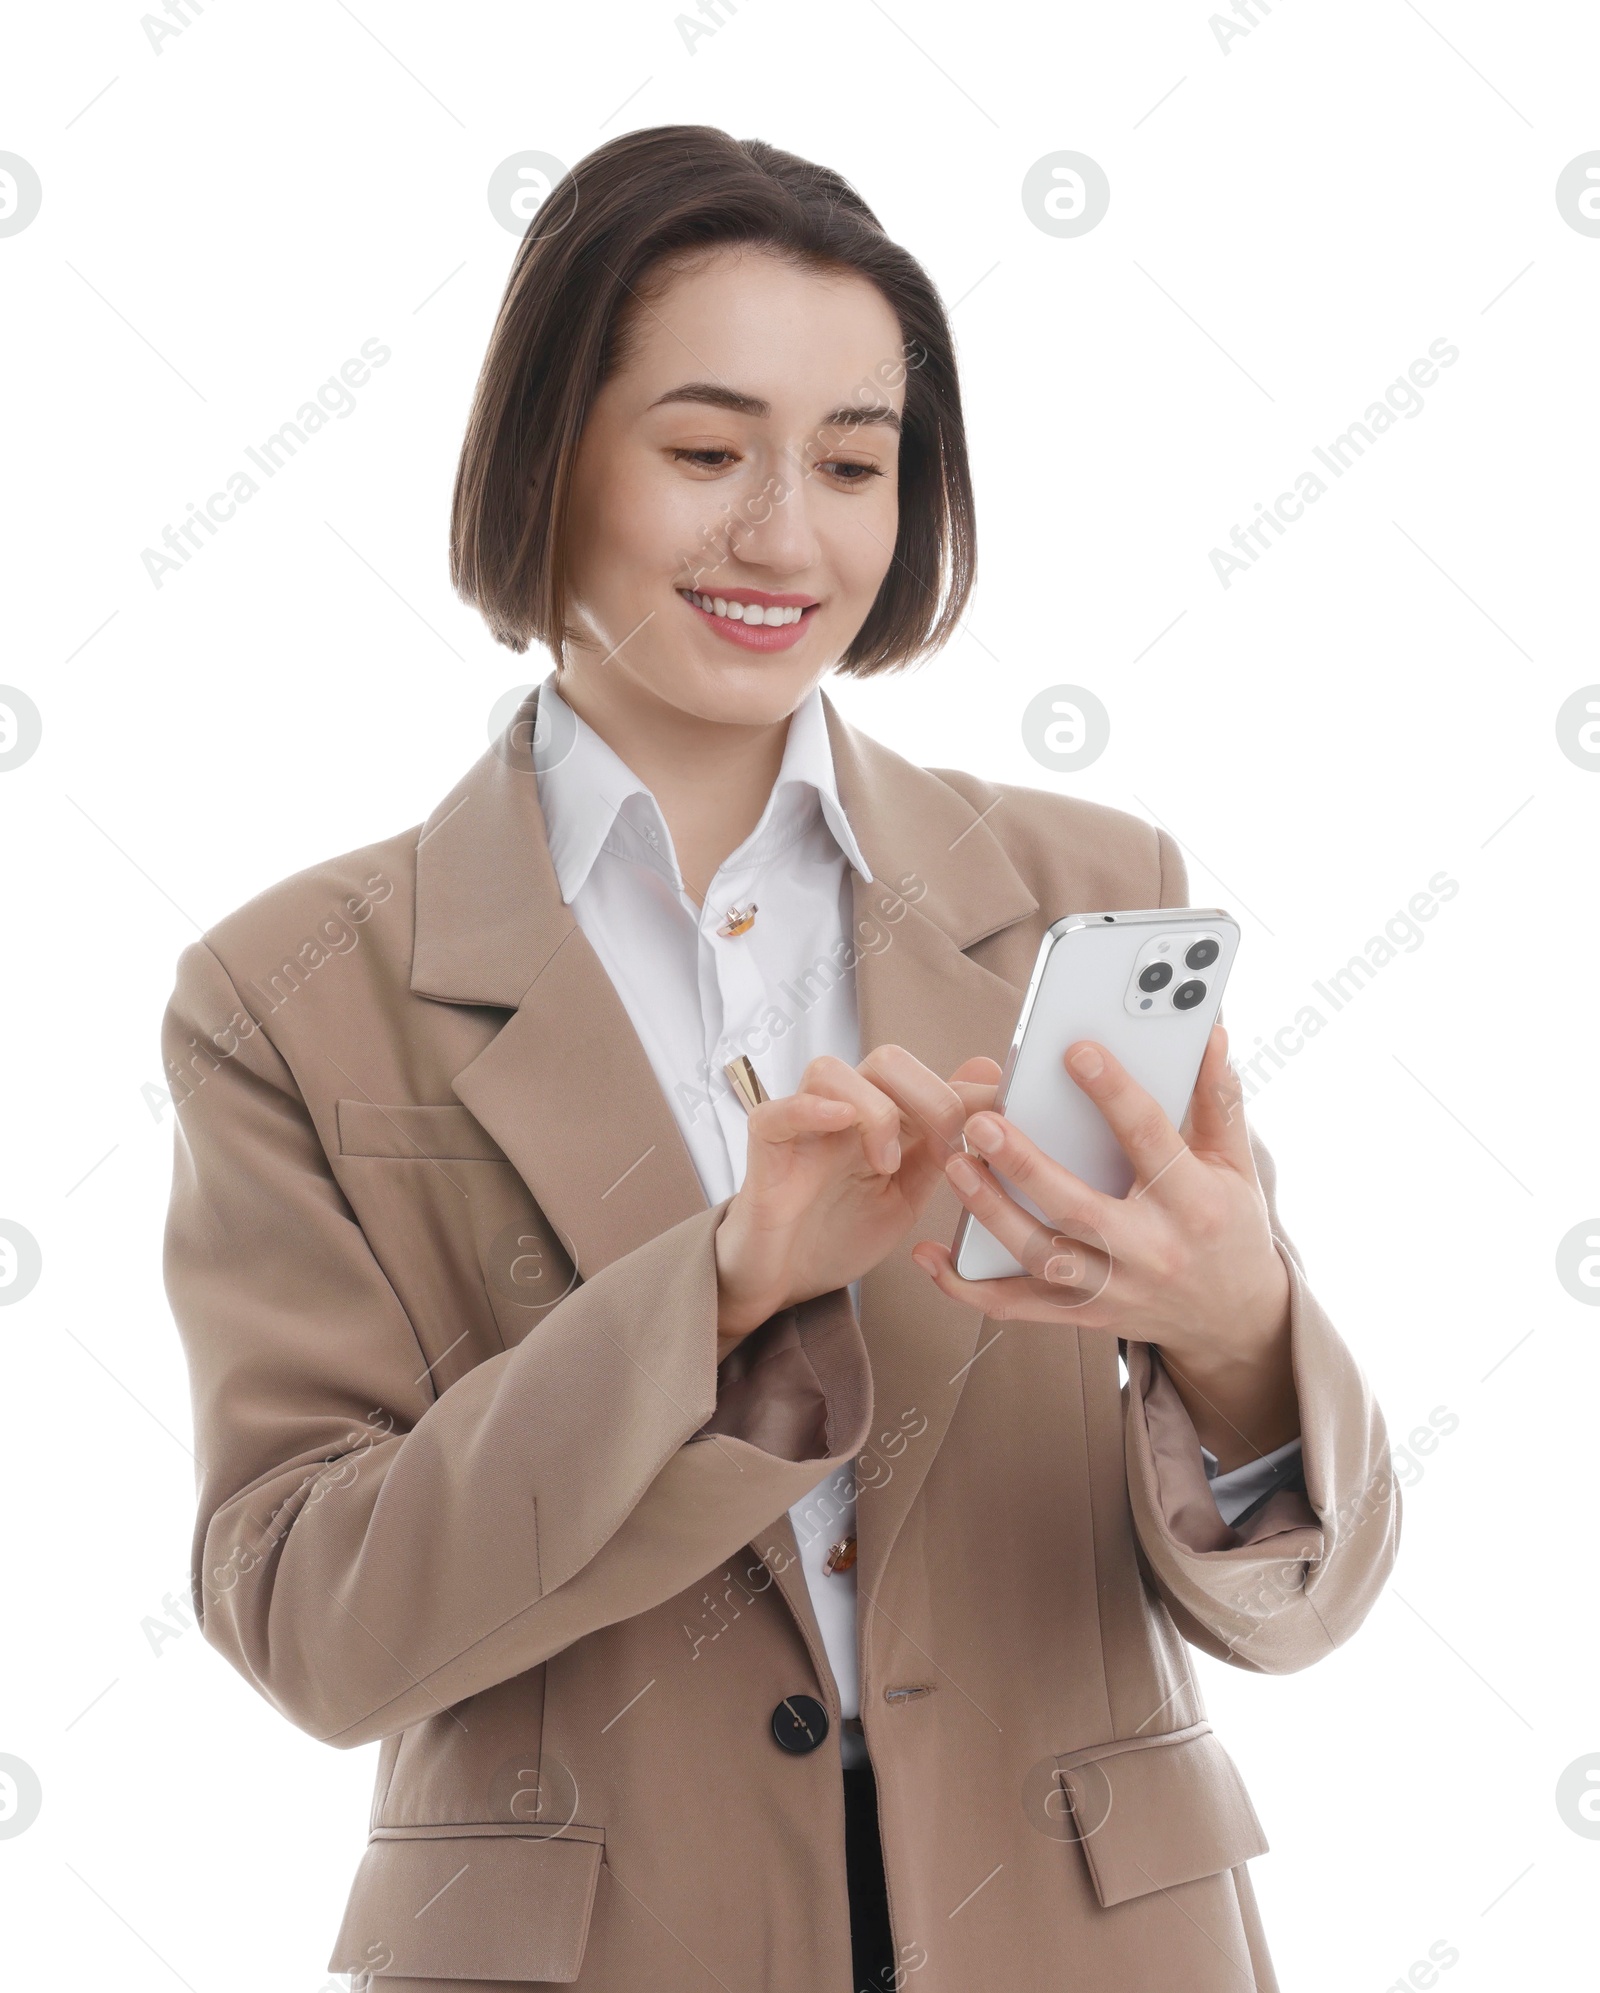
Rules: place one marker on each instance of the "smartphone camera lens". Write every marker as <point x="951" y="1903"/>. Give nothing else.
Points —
<point x="1156" y="977"/>
<point x="1187" y="995"/>
<point x="1201" y="956"/>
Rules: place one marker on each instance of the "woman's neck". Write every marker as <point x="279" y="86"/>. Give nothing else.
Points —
<point x="711" y="780"/>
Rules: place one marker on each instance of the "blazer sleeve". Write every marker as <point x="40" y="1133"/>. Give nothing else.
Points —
<point x="366" y="1552"/>
<point x="1302" y="1574"/>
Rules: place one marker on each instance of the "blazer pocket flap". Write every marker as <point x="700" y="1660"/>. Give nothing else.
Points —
<point x="413" y="1133"/>
<point x="464" y="1905"/>
<point x="1152" y="1812"/>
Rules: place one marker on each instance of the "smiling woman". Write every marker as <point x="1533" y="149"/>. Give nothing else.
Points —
<point x="876" y="404"/>
<point x="741" y="1597"/>
<point x="661" y="460"/>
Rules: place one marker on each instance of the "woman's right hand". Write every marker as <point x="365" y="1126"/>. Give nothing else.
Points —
<point x="836" y="1174"/>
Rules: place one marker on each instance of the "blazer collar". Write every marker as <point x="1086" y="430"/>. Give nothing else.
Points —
<point x="592" y="801"/>
<point x="489" y="907"/>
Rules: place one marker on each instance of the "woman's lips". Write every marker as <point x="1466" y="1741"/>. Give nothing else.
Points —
<point x="752" y="636"/>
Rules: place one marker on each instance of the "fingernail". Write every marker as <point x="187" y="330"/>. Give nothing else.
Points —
<point x="965" y="1178"/>
<point x="1063" y="1269"/>
<point x="891" y="1157"/>
<point x="984" y="1132"/>
<point x="1087" y="1062"/>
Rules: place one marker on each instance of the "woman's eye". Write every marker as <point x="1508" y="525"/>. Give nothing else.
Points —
<point x="842" y="470"/>
<point x="849" y="473"/>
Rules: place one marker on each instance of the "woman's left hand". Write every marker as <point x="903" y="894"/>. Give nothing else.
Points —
<point x="1185" y="1260"/>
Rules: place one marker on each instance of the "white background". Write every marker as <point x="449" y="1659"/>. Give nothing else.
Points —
<point x="1292" y="222"/>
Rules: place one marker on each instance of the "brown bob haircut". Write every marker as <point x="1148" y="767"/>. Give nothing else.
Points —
<point x="606" y="238"/>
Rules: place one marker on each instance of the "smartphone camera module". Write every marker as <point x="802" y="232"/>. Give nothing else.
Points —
<point x="1155" y="986"/>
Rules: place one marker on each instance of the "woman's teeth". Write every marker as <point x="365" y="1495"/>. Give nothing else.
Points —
<point x="743" y="612"/>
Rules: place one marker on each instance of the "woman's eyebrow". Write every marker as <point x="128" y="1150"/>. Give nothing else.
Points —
<point x="714" y="395"/>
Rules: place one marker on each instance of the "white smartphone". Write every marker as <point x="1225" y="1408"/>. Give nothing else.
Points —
<point x="1145" y="984"/>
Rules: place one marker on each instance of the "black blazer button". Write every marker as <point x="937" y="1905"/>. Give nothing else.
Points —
<point x="799" y="1723"/>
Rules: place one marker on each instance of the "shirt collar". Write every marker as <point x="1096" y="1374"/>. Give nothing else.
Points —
<point x="591" y="798"/>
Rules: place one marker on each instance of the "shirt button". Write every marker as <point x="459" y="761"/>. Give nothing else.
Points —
<point x="800" y="1723"/>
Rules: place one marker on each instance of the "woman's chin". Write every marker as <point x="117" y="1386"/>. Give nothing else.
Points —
<point x="750" y="691"/>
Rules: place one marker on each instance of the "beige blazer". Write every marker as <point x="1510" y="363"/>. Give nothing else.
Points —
<point x="472" y="1487"/>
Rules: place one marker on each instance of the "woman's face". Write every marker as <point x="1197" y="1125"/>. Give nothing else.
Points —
<point x="746" y="453"/>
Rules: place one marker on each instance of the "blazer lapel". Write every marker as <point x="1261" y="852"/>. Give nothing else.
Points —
<point x="565" y="1087"/>
<point x="942" y="883"/>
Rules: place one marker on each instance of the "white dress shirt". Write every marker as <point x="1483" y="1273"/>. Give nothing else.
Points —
<point x="779" y="992"/>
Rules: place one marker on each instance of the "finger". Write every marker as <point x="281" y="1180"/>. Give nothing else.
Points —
<point x="1148" y="1138"/>
<point x="1021" y="1166"/>
<point x="876" y="1113"/>
<point x="798" y="1114"/>
<point x="978" y="1082"/>
<point x="1019" y="1298"/>
<point x="1070" y="1235"/>
<point x="931" y="1105"/>
<point x="1216" y="1112"/>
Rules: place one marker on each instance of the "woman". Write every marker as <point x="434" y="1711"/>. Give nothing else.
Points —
<point x="739" y="1597"/>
